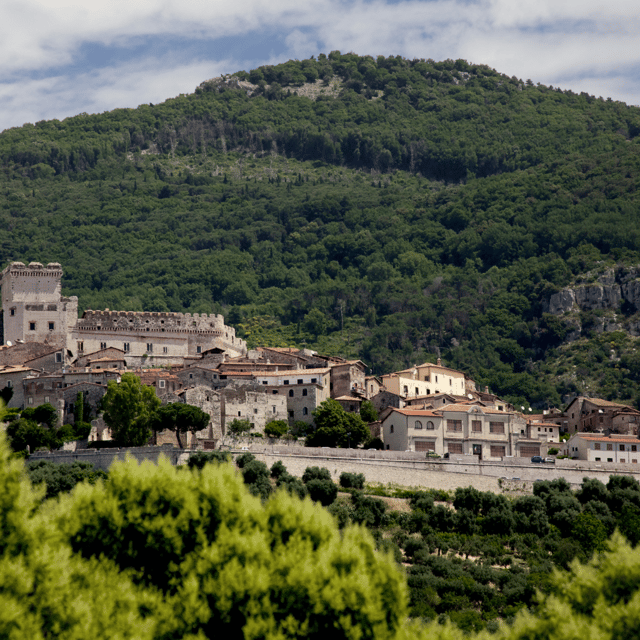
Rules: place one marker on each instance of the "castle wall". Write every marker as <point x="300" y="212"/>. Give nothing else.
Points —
<point x="32" y="305"/>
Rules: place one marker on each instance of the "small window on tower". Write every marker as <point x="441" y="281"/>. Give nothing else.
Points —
<point x="52" y="326"/>
<point x="32" y="326"/>
<point x="12" y="312"/>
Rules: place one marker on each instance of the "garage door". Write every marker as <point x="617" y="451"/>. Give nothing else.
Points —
<point x="454" y="447"/>
<point x="528" y="450"/>
<point x="423" y="445"/>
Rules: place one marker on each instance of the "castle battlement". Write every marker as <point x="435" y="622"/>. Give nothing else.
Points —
<point x="34" y="310"/>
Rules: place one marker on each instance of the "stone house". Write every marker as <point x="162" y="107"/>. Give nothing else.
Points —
<point x="348" y="379"/>
<point x="304" y="389"/>
<point x="455" y="429"/>
<point x="425" y="380"/>
<point x="600" y="448"/>
<point x="12" y="376"/>
<point x="164" y="382"/>
<point x="350" y="404"/>
<point x="53" y="360"/>
<point x="594" y="415"/>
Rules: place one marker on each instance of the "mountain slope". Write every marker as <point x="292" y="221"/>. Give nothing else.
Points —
<point x="391" y="210"/>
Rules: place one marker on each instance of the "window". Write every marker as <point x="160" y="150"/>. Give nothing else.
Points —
<point x="476" y="425"/>
<point x="417" y="391"/>
<point x="80" y="346"/>
<point x="596" y="446"/>
<point x="275" y="391"/>
<point x="127" y="347"/>
<point x="597" y="459"/>
<point x="286" y="382"/>
<point x="46" y="398"/>
<point x="161" y="383"/>
<point x="291" y="393"/>
<point x="454" y="425"/>
<point x="314" y="380"/>
<point x="634" y="447"/>
<point x="391" y="429"/>
<point x="496" y="427"/>
<point x="165" y="349"/>
<point x="454" y="447"/>
<point x="198" y="349"/>
<point x="59" y="356"/>
<point x="30" y="400"/>
<point x="622" y="460"/>
<point x="9" y="384"/>
<point x="12" y="312"/>
<point x="430" y="426"/>
<point x="417" y="425"/>
<point x="291" y="414"/>
<point x="406" y="389"/>
<point x="103" y="345"/>
<point x="239" y="414"/>
<point x="273" y="408"/>
<point x="497" y="452"/>
<point x="304" y="392"/>
<point x="609" y="447"/>
<point x="621" y="447"/>
<point x="422" y="445"/>
<point x="436" y="378"/>
<point x="32" y="326"/>
<point x="305" y="411"/>
<point x="149" y="347"/>
<point x="609" y="459"/>
<point x="299" y="381"/>
<point x="52" y="326"/>
<point x="190" y="376"/>
<point x="255" y="412"/>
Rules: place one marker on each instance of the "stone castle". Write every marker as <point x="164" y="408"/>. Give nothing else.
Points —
<point x="34" y="311"/>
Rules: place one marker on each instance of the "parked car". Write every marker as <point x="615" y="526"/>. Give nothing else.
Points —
<point x="537" y="459"/>
<point x="550" y="460"/>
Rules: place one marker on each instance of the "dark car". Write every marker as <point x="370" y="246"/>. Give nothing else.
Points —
<point x="537" y="459"/>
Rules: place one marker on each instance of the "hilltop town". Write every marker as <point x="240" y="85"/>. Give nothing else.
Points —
<point x="50" y="356"/>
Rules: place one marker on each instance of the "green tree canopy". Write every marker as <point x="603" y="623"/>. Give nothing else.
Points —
<point x="337" y="428"/>
<point x="129" y="408"/>
<point x="179" y="418"/>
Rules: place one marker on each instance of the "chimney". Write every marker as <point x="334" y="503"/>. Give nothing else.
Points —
<point x="439" y="362"/>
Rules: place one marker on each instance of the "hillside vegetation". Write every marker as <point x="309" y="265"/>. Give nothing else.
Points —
<point x="383" y="208"/>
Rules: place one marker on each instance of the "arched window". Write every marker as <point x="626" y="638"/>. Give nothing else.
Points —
<point x="305" y="411"/>
<point x="291" y="393"/>
<point x="430" y="425"/>
<point x="418" y="425"/>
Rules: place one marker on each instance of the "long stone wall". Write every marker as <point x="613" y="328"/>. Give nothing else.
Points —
<point x="407" y="469"/>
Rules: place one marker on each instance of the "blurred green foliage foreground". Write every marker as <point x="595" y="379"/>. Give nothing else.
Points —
<point x="162" y="552"/>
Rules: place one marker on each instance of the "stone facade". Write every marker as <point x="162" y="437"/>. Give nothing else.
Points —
<point x="33" y="307"/>
<point x="149" y="338"/>
<point x="34" y="311"/>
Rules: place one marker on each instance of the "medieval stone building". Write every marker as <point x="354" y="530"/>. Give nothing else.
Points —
<point x="34" y="311"/>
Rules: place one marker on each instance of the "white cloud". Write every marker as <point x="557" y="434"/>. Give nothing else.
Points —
<point x="572" y="43"/>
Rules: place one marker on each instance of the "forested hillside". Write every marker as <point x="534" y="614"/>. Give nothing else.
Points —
<point x="382" y="208"/>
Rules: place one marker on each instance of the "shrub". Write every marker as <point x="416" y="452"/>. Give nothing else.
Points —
<point x="352" y="480"/>
<point x="243" y="459"/>
<point x="315" y="473"/>
<point x="200" y="458"/>
<point x="322" y="491"/>
<point x="276" y="428"/>
<point x="278" y="469"/>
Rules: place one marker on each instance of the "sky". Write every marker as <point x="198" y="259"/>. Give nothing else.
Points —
<point x="59" y="58"/>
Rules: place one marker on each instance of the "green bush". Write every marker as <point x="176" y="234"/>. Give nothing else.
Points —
<point x="276" y="428"/>
<point x="243" y="459"/>
<point x="323" y="491"/>
<point x="278" y="469"/>
<point x="315" y="473"/>
<point x="352" y="480"/>
<point x="199" y="459"/>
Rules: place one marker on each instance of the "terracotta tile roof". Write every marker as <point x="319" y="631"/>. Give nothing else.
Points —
<point x="629" y="439"/>
<point x="293" y="373"/>
<point x="599" y="402"/>
<point x="464" y="408"/>
<point x="416" y="412"/>
<point x="349" y="398"/>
